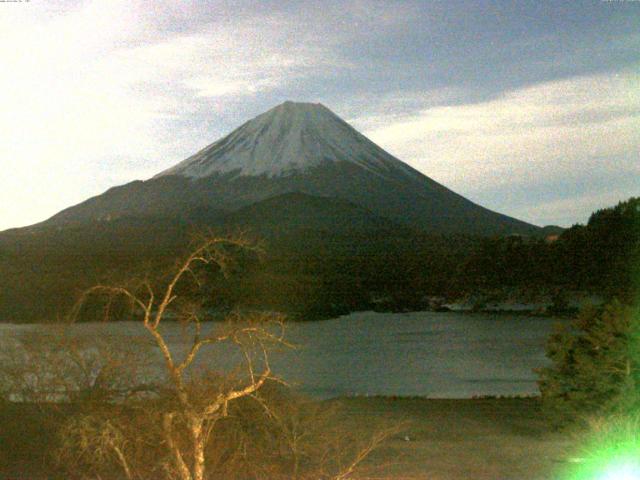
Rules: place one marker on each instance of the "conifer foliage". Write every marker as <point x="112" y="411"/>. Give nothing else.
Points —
<point x="595" y="367"/>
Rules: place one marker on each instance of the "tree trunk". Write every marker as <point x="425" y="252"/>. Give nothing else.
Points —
<point x="181" y="467"/>
<point x="198" y="439"/>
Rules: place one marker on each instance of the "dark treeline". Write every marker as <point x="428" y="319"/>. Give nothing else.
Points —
<point x="601" y="257"/>
<point x="321" y="271"/>
<point x="339" y="275"/>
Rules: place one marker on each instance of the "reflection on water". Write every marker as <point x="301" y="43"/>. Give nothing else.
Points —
<point x="421" y="353"/>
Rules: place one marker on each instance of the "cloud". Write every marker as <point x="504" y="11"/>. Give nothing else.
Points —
<point x="213" y="63"/>
<point x="565" y="132"/>
<point x="98" y="97"/>
<point x="61" y="113"/>
<point x="98" y="93"/>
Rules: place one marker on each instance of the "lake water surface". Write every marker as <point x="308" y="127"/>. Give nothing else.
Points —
<point x="439" y="355"/>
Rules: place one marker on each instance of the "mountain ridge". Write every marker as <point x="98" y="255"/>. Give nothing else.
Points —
<point x="297" y="147"/>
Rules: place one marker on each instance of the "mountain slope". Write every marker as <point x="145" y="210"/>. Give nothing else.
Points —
<point x="44" y="267"/>
<point x="297" y="147"/>
<point x="298" y="213"/>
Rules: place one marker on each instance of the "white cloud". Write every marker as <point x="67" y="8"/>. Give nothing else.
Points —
<point x="563" y="130"/>
<point x="87" y="93"/>
<point x="60" y="112"/>
<point x="239" y="59"/>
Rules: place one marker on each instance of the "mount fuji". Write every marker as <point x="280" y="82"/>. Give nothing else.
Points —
<point x="301" y="148"/>
<point x="345" y="223"/>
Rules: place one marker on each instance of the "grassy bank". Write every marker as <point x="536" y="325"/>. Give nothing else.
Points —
<point x="443" y="439"/>
<point x="465" y="439"/>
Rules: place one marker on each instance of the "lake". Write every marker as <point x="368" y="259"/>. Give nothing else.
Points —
<point x="437" y="355"/>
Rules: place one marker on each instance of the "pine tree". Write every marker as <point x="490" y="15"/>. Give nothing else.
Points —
<point x="595" y="365"/>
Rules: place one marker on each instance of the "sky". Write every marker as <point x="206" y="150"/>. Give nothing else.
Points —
<point x="529" y="108"/>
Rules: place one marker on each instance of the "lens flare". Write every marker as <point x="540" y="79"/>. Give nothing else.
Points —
<point x="627" y="470"/>
<point x="612" y="453"/>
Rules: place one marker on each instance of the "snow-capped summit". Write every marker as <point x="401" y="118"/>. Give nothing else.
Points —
<point x="291" y="137"/>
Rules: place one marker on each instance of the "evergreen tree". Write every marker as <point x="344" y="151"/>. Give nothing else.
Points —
<point x="595" y="365"/>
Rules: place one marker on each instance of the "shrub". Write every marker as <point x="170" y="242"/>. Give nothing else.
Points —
<point x="595" y="365"/>
<point x="275" y="434"/>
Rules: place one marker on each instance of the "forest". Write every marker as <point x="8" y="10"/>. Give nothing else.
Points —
<point x="601" y="257"/>
<point x="319" y="272"/>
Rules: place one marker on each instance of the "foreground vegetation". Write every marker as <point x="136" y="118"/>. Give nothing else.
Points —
<point x="443" y="439"/>
<point x="593" y="384"/>
<point x="276" y="435"/>
<point x="595" y="369"/>
<point x="106" y="416"/>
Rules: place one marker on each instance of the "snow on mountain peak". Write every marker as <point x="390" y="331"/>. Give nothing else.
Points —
<point x="290" y="137"/>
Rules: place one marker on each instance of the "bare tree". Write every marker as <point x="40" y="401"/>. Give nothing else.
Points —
<point x="205" y="416"/>
<point x="195" y="409"/>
